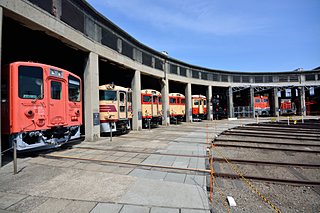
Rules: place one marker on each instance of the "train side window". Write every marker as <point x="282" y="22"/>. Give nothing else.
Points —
<point x="183" y="101"/>
<point x="74" y="89"/>
<point x="30" y="82"/>
<point x="56" y="90"/>
<point x="129" y="97"/>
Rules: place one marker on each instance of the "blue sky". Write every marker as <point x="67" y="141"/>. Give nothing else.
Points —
<point x="235" y="35"/>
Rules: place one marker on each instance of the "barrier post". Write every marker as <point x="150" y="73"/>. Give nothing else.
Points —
<point x="14" y="156"/>
<point x="110" y="126"/>
<point x="288" y="121"/>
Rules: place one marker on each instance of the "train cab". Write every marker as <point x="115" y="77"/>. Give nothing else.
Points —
<point x="262" y="105"/>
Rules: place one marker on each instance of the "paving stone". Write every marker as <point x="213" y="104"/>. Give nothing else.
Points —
<point x="194" y="211"/>
<point x="106" y="208"/>
<point x="136" y="160"/>
<point x="148" y="192"/>
<point x="9" y="199"/>
<point x="167" y="160"/>
<point x="163" y="210"/>
<point x="139" y="172"/>
<point x="79" y="207"/>
<point x="134" y="209"/>
<point x="27" y="204"/>
<point x="175" y="177"/>
<point x="51" y="206"/>
<point x="157" y="175"/>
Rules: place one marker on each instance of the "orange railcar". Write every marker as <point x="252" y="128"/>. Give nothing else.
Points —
<point x="262" y="105"/>
<point x="41" y="105"/>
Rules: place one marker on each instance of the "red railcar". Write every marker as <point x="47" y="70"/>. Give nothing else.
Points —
<point x="41" y="105"/>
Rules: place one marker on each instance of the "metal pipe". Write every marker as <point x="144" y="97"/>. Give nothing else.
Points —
<point x="15" y="157"/>
<point x="110" y="126"/>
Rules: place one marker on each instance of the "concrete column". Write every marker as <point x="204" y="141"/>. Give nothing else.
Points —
<point x="136" y="101"/>
<point x="303" y="101"/>
<point x="1" y="17"/>
<point x="276" y="102"/>
<point x="91" y="98"/>
<point x="230" y="103"/>
<point x="188" y="95"/>
<point x="165" y="101"/>
<point x="252" y="101"/>
<point x="209" y="103"/>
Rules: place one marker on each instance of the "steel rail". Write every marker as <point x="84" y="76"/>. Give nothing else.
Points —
<point x="272" y="136"/>
<point x="241" y="161"/>
<point x="291" y="134"/>
<point x="126" y="163"/>
<point x="277" y="129"/>
<point x="141" y="152"/>
<point x="268" y="148"/>
<point x="272" y="180"/>
<point x="265" y="142"/>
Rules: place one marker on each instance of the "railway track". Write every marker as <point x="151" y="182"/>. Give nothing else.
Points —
<point x="256" y="139"/>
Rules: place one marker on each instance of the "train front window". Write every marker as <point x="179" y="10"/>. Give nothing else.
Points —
<point x="56" y="90"/>
<point x="172" y="100"/>
<point x="122" y="95"/>
<point x="196" y="102"/>
<point x="147" y="99"/>
<point x="30" y="82"/>
<point x="266" y="100"/>
<point x="204" y="102"/>
<point x="155" y="99"/>
<point x="106" y="95"/>
<point x="183" y="101"/>
<point x="74" y="89"/>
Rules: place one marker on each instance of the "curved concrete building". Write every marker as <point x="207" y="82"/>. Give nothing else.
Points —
<point x="73" y="35"/>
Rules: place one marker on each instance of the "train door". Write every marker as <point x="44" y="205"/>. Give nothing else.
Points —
<point x="201" y="108"/>
<point x="57" y="101"/>
<point x="123" y="112"/>
<point x="155" y="105"/>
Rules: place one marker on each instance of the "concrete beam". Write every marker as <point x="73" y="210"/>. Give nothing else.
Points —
<point x="188" y="95"/>
<point x="136" y="101"/>
<point x="1" y="17"/>
<point x="91" y="98"/>
<point x="209" y="103"/>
